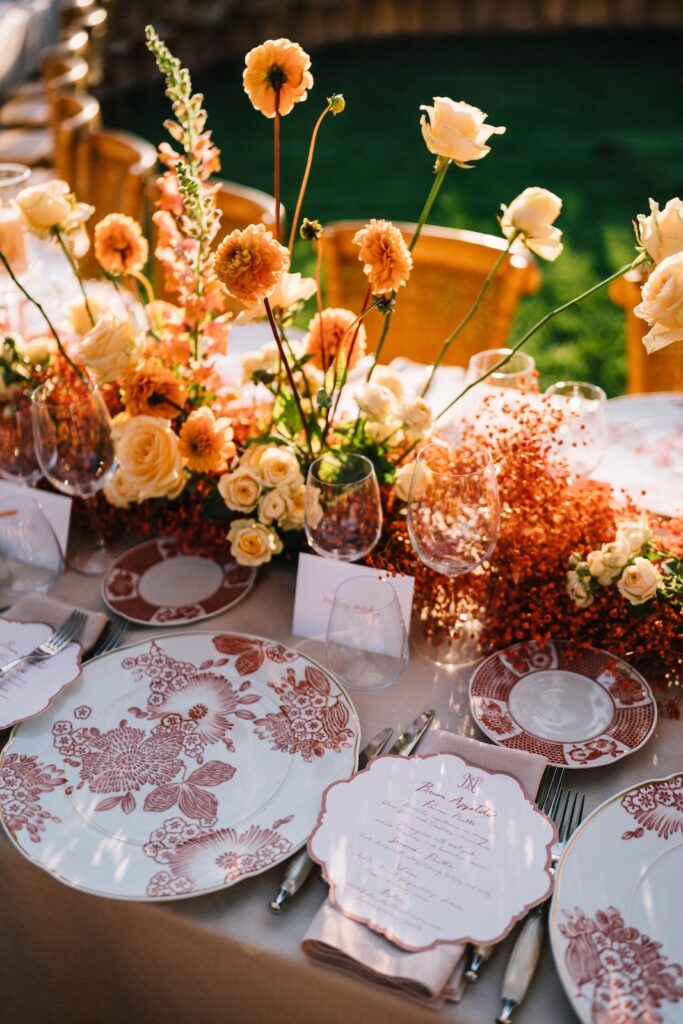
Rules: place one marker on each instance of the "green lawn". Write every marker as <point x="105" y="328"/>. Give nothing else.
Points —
<point x="595" y="117"/>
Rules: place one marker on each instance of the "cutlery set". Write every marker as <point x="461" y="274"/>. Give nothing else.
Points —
<point x="67" y="633"/>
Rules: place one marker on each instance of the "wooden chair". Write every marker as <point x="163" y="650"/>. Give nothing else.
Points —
<point x="449" y="268"/>
<point x="660" y="371"/>
<point x="59" y="74"/>
<point x="74" y="116"/>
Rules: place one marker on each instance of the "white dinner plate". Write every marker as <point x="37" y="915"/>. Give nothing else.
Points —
<point x="177" y="766"/>
<point x="615" y="919"/>
<point x="157" y="584"/>
<point x="574" y="705"/>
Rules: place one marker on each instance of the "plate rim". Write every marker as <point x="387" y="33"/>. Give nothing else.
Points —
<point x="175" y="622"/>
<point x="572" y="767"/>
<point x="553" y="913"/>
<point x="213" y="889"/>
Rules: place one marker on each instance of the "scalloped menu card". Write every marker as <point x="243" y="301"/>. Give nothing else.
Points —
<point x="429" y="850"/>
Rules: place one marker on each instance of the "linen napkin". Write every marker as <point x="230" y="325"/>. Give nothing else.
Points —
<point x="41" y="608"/>
<point x="435" y="975"/>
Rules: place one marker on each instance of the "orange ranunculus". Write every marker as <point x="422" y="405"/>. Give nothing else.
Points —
<point x="206" y="442"/>
<point x="385" y="255"/>
<point x="120" y="247"/>
<point x="152" y="390"/>
<point x="250" y="263"/>
<point x="277" y="65"/>
<point x="330" y="334"/>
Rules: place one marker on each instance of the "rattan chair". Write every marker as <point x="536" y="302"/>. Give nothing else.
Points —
<point x="449" y="268"/>
<point x="75" y="116"/>
<point x="61" y="73"/>
<point x="660" y="371"/>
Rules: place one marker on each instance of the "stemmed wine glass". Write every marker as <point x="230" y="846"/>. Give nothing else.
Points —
<point x="453" y="520"/>
<point x="18" y="461"/>
<point x="581" y="437"/>
<point x="342" y="507"/>
<point x="73" y="440"/>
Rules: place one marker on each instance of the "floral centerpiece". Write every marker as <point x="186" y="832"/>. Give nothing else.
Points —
<point x="217" y="465"/>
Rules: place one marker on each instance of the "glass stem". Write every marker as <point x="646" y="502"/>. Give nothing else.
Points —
<point x="91" y="508"/>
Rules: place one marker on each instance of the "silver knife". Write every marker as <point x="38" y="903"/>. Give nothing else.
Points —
<point x="299" y="867"/>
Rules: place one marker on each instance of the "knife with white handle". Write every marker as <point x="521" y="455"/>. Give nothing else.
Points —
<point x="522" y="962"/>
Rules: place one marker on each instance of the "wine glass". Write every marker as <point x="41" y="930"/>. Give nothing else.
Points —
<point x="366" y="645"/>
<point x="73" y="439"/>
<point x="581" y="437"/>
<point x="18" y="460"/>
<point x="516" y="378"/>
<point x="342" y="507"/>
<point x="12" y="244"/>
<point x="453" y="517"/>
<point x="30" y="556"/>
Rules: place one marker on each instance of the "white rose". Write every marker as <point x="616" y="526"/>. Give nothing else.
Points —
<point x="410" y="477"/>
<point x="661" y="234"/>
<point x="597" y="568"/>
<point x="119" y="491"/>
<point x="640" y="581"/>
<point x="382" y="432"/>
<point x="272" y="506"/>
<point x="108" y="348"/>
<point x="279" y="467"/>
<point x="36" y="350"/>
<point x="577" y="590"/>
<point x="241" y="489"/>
<point x="456" y="131"/>
<point x="616" y="554"/>
<point x="148" y="456"/>
<point x="53" y="206"/>
<point x="391" y="380"/>
<point x="252" y="543"/>
<point x="636" y="533"/>
<point x="377" y="401"/>
<point x="417" y="416"/>
<point x="531" y="215"/>
<point x="662" y="303"/>
<point x="289" y="290"/>
<point x="302" y="503"/>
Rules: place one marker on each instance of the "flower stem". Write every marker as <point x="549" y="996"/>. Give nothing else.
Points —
<point x="144" y="282"/>
<point x="288" y="371"/>
<point x="53" y="330"/>
<point x="72" y="264"/>
<point x="319" y="298"/>
<point x="468" y="315"/>
<point x="276" y="163"/>
<point x="307" y="171"/>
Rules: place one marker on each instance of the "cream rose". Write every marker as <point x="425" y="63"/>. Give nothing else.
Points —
<point x="241" y="489"/>
<point x="119" y="491"/>
<point x="417" y="416"/>
<point x="302" y="503"/>
<point x="636" y="533"/>
<point x="390" y="380"/>
<point x="289" y="291"/>
<point x="456" y="131"/>
<point x="662" y="303"/>
<point x="577" y="590"/>
<point x="272" y="506"/>
<point x="410" y="476"/>
<point x="597" y="568"/>
<point x="639" y="582"/>
<point x="616" y="554"/>
<point x="36" y="350"/>
<point x="531" y="216"/>
<point x="279" y="467"/>
<point x="51" y="206"/>
<point x="383" y="431"/>
<point x="252" y="543"/>
<point x="108" y="348"/>
<point x="148" y="457"/>
<point x="661" y="233"/>
<point x="377" y="401"/>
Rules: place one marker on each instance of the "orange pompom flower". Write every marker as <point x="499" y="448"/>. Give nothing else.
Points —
<point x="153" y="390"/>
<point x="385" y="255"/>
<point x="277" y="67"/>
<point x="330" y="334"/>
<point x="120" y="247"/>
<point x="206" y="442"/>
<point x="250" y="263"/>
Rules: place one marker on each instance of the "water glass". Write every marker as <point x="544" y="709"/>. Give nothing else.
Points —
<point x="366" y="646"/>
<point x="30" y="556"/>
<point x="342" y="507"/>
<point x="581" y="437"/>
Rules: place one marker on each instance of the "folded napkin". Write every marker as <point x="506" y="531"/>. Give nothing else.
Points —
<point x="41" y="608"/>
<point x="434" y="975"/>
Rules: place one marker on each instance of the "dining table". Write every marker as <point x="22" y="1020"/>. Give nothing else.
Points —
<point x="224" y="957"/>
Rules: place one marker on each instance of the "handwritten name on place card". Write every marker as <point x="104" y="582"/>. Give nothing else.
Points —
<point x="431" y="849"/>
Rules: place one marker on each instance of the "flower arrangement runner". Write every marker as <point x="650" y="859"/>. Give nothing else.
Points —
<point x="426" y="850"/>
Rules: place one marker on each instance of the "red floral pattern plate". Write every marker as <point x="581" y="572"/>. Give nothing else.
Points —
<point x="616" y="935"/>
<point x="156" y="584"/>
<point x="576" y="706"/>
<point x="177" y="766"/>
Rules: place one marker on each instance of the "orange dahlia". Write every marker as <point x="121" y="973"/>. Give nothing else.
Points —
<point x="385" y="255"/>
<point x="153" y="390"/>
<point x="277" y="68"/>
<point x="120" y="247"/>
<point x="206" y="442"/>
<point x="330" y="334"/>
<point x="250" y="263"/>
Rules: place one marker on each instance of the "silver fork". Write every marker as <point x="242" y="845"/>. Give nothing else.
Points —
<point x="548" y="792"/>
<point x="567" y="813"/>
<point x="68" y="631"/>
<point x="111" y="638"/>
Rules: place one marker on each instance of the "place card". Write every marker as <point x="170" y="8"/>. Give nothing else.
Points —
<point x="56" y="507"/>
<point x="430" y="850"/>
<point x="316" y="582"/>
